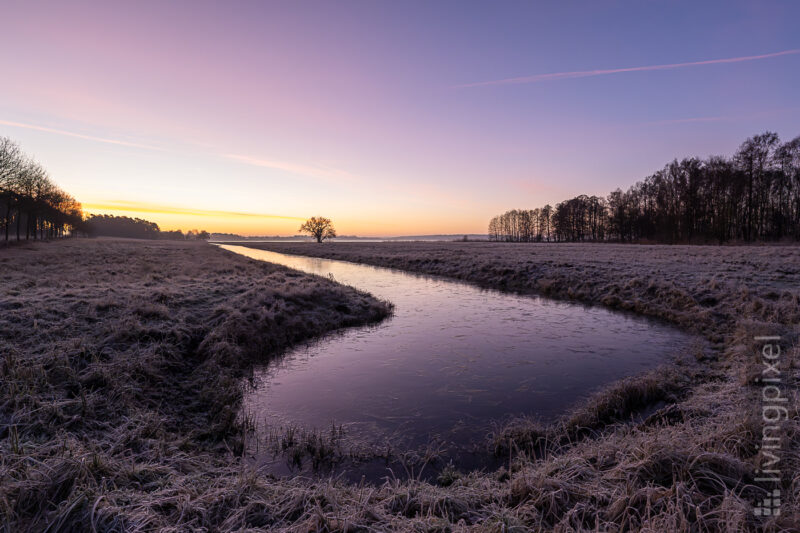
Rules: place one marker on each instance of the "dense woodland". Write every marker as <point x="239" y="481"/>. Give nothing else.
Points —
<point x="31" y="205"/>
<point x="752" y="196"/>
<point x="135" y="228"/>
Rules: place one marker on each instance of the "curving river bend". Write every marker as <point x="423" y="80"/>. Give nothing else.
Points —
<point x="450" y="361"/>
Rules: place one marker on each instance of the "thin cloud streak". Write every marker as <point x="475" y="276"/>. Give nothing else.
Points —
<point x="320" y="172"/>
<point x="313" y="171"/>
<point x="724" y="118"/>
<point x="78" y="135"/>
<point x="143" y="207"/>
<point x="604" y="72"/>
<point x="690" y="120"/>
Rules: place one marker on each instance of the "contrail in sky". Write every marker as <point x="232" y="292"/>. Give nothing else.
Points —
<point x="78" y="135"/>
<point x="603" y="72"/>
<point x="313" y="171"/>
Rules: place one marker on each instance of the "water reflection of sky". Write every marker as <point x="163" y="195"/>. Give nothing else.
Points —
<point x="452" y="359"/>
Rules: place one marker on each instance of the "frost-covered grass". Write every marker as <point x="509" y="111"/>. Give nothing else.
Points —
<point x="121" y="364"/>
<point x="612" y="463"/>
<point x="121" y="369"/>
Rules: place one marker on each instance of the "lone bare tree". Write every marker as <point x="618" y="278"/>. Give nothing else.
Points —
<point x="320" y="228"/>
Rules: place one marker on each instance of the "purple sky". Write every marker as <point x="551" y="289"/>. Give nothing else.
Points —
<point x="389" y="117"/>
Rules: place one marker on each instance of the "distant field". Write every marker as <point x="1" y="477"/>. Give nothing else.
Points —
<point x="707" y="289"/>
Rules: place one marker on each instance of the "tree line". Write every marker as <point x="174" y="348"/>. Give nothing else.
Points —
<point x="135" y="228"/>
<point x="752" y="196"/>
<point x="31" y="205"/>
<point x="115" y="226"/>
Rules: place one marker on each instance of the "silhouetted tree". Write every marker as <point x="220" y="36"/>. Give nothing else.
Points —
<point x="30" y="200"/>
<point x="173" y="235"/>
<point x="755" y="195"/>
<point x="320" y="228"/>
<point x="197" y="235"/>
<point x="117" y="226"/>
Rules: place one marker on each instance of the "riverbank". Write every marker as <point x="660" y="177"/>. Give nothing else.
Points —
<point x="121" y="369"/>
<point x="699" y="288"/>
<point x="697" y="461"/>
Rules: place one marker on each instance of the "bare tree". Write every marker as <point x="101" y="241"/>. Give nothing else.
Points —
<point x="753" y="196"/>
<point x="320" y="228"/>
<point x="27" y="193"/>
<point x="10" y="162"/>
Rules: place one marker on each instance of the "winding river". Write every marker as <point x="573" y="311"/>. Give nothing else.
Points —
<point x="451" y="360"/>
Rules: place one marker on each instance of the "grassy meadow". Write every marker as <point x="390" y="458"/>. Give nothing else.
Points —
<point x="120" y="376"/>
<point x="122" y="363"/>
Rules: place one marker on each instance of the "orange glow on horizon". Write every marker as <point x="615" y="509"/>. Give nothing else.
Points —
<point x="142" y="207"/>
<point x="171" y="218"/>
<point x="215" y="221"/>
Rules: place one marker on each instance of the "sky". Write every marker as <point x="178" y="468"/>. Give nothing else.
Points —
<point x="390" y="118"/>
